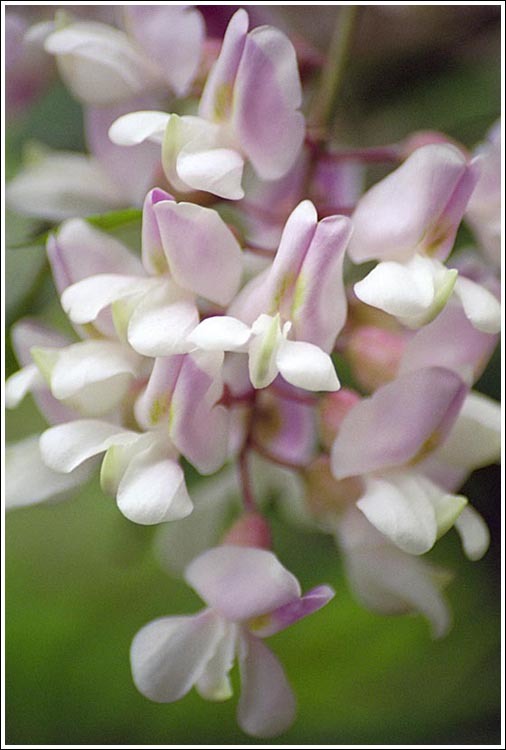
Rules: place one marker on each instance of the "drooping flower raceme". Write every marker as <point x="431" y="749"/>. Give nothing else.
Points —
<point x="205" y="347"/>
<point x="249" y="596"/>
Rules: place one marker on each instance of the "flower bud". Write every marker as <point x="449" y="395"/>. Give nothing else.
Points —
<point x="250" y="530"/>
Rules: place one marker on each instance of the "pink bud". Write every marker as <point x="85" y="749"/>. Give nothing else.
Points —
<point x="250" y="530"/>
<point x="374" y="355"/>
<point x="333" y="407"/>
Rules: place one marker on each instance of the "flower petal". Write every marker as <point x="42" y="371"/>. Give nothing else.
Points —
<point x="168" y="656"/>
<point x="267" y="93"/>
<point x="306" y="366"/>
<point x="172" y="36"/>
<point x="267" y="704"/>
<point x="473" y="532"/>
<point x="66" y="446"/>
<point x="292" y="612"/>
<point x="153" y="490"/>
<point x="29" y="481"/>
<point x="319" y="306"/>
<point x="395" y="425"/>
<point x="61" y="185"/>
<point x="221" y="333"/>
<point x="214" y="684"/>
<point x="480" y="306"/>
<point x="216" y="98"/>
<point x="136" y="127"/>
<point x="418" y="207"/>
<point x="84" y="300"/>
<point x="202" y="253"/>
<point x="215" y="170"/>
<point x="20" y="383"/>
<point x="241" y="582"/>
<point x="79" y="251"/>
<point x="161" y="322"/>
<point x="475" y="438"/>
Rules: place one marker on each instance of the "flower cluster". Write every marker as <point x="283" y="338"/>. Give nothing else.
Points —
<point x="218" y="341"/>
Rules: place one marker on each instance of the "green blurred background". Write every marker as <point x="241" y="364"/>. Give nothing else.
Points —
<point x="81" y="580"/>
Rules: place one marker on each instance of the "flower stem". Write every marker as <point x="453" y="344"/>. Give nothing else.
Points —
<point x="247" y="493"/>
<point x="324" y="106"/>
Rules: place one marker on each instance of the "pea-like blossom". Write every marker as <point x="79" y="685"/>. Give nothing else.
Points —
<point x="160" y="48"/>
<point x="249" y="596"/>
<point x="408" y="222"/>
<point x="409" y="454"/>
<point x="248" y="112"/>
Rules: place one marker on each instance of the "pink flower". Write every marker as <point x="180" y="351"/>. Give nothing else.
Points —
<point x="249" y="596"/>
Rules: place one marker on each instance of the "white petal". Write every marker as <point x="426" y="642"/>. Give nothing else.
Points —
<point x="28" y="480"/>
<point x="241" y="582"/>
<point x="481" y="307"/>
<point x="136" y="127"/>
<point x="20" y="383"/>
<point x="160" y="324"/>
<point x="394" y="288"/>
<point x="84" y="300"/>
<point x="221" y="333"/>
<point x="473" y="532"/>
<point x="214" y="684"/>
<point x="306" y="366"/>
<point x="400" y="508"/>
<point x="153" y="489"/>
<point x="475" y="439"/>
<point x="169" y="655"/>
<point x="267" y="704"/>
<point x="216" y="170"/>
<point x="66" y="446"/>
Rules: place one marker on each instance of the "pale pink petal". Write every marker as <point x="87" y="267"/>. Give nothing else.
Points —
<point x="216" y="98"/>
<point x="267" y="705"/>
<point x="387" y="580"/>
<point x="318" y="310"/>
<point x="267" y="292"/>
<point x="292" y="612"/>
<point x="153" y="257"/>
<point x="134" y="171"/>
<point x="61" y="185"/>
<point x="411" y="415"/>
<point x="202" y="252"/>
<point x="172" y="36"/>
<point x="418" y="207"/>
<point x="168" y="656"/>
<point x="241" y="582"/>
<point x="449" y="341"/>
<point x="98" y="63"/>
<point x="198" y="428"/>
<point x="78" y="251"/>
<point x="267" y="93"/>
